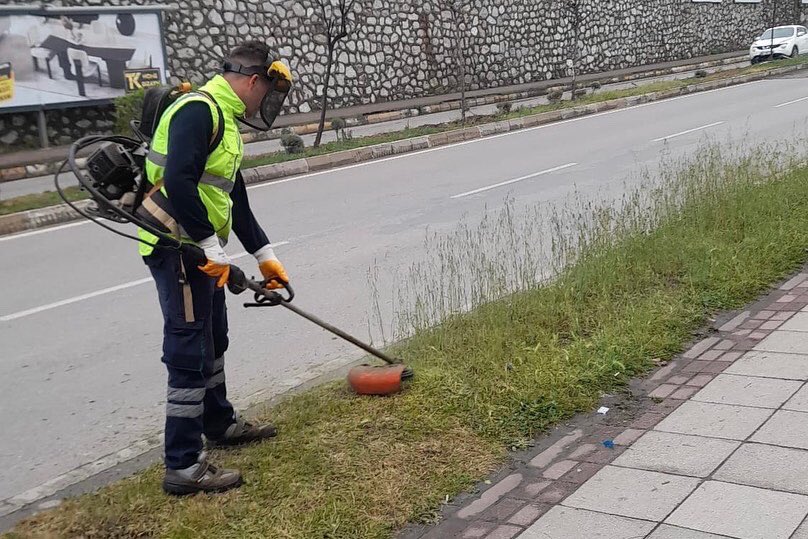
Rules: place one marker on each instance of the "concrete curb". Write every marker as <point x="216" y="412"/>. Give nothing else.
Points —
<point x="41" y="169"/>
<point x="34" y="219"/>
<point x="39" y="218"/>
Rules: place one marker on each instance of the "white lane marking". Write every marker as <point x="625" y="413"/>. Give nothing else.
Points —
<point x="102" y="292"/>
<point x="428" y="150"/>
<point x="508" y="182"/>
<point x="679" y="134"/>
<point x="41" y="231"/>
<point x="492" y="137"/>
<point x="790" y="102"/>
<point x="75" y="299"/>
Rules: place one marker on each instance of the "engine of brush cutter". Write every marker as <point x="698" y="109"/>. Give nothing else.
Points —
<point x="115" y="174"/>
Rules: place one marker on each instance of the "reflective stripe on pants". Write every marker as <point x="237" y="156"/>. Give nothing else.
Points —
<point x="193" y="352"/>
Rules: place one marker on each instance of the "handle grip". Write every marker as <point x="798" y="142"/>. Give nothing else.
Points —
<point x="238" y="282"/>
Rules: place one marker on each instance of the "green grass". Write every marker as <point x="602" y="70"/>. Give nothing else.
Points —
<point x="568" y="302"/>
<point x="39" y="200"/>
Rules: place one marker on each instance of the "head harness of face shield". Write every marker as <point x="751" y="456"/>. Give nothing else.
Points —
<point x="280" y="84"/>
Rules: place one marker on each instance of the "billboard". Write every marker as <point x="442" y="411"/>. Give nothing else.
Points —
<point x="51" y="58"/>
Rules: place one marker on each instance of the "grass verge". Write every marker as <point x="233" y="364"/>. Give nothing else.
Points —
<point x="39" y="200"/>
<point x="568" y="302"/>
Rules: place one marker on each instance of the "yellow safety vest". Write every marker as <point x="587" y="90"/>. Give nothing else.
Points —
<point x="222" y="165"/>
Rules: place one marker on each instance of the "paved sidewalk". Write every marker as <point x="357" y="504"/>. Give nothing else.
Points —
<point x="717" y="446"/>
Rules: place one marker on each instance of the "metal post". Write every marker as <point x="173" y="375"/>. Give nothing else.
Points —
<point x="42" y="125"/>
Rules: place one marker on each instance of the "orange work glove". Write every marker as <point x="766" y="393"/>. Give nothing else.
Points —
<point x="218" y="264"/>
<point x="271" y="268"/>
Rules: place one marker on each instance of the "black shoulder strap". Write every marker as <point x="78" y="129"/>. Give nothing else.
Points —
<point x="217" y="138"/>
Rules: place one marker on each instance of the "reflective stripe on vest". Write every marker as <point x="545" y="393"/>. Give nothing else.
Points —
<point x="218" y="179"/>
<point x="224" y="184"/>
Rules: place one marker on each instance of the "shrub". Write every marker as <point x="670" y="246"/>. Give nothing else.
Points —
<point x="554" y="96"/>
<point x="504" y="108"/>
<point x="128" y="107"/>
<point x="292" y="143"/>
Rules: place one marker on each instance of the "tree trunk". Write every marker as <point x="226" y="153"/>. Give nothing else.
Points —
<point x="462" y="61"/>
<point x="324" y="104"/>
<point x="574" y="64"/>
<point x="574" y="56"/>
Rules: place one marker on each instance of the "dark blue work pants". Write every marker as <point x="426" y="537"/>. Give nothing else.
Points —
<point x="193" y="352"/>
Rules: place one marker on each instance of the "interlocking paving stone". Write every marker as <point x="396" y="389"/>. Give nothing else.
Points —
<point x="491" y="496"/>
<point x="799" y="402"/>
<point x="581" y="472"/>
<point x="500" y="511"/>
<point x="628" y="436"/>
<point x="771" y="365"/>
<point x="747" y="391"/>
<point x="677" y="453"/>
<point x="632" y="493"/>
<point x="701" y="380"/>
<point x="767" y="466"/>
<point x="475" y="531"/>
<point x="802" y="532"/>
<point x="701" y="347"/>
<point x="504" y="531"/>
<point x="798" y="322"/>
<point x="715" y="420"/>
<point x="529" y="514"/>
<point x="551" y="453"/>
<point x="741" y="511"/>
<point x="568" y="523"/>
<point x="785" y="428"/>
<point x="789" y="342"/>
<point x="684" y="393"/>
<point x="558" y="469"/>
<point x="663" y="391"/>
<point x="666" y="531"/>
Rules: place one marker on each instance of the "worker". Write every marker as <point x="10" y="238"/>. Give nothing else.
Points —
<point x="199" y="194"/>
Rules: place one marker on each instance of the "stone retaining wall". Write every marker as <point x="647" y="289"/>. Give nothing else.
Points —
<point x="407" y="48"/>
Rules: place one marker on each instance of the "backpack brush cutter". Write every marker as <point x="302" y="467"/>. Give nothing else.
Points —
<point x="115" y="179"/>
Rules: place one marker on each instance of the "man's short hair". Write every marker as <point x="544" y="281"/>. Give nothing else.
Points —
<point x="250" y="53"/>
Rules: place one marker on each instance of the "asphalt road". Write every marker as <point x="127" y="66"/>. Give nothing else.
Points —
<point x="79" y="322"/>
<point x="45" y="183"/>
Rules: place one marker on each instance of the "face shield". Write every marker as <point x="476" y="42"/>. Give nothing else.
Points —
<point x="280" y="83"/>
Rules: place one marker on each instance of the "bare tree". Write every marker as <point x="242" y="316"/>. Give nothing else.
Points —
<point x="573" y="12"/>
<point x="334" y="23"/>
<point x="458" y="29"/>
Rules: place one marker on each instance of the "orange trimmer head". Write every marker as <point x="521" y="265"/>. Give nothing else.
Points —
<point x="378" y="380"/>
<point x="364" y="379"/>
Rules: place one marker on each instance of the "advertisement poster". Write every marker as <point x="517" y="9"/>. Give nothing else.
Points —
<point x="137" y="79"/>
<point x="6" y="82"/>
<point x="62" y="58"/>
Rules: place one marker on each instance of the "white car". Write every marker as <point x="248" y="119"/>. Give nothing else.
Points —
<point x="779" y="42"/>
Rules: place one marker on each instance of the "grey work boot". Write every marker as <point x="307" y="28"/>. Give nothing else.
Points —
<point x="243" y="432"/>
<point x="201" y="477"/>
